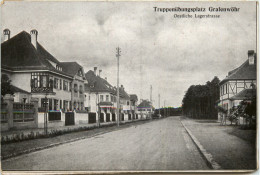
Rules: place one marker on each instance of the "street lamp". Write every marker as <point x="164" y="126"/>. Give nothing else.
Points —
<point x="118" y="54"/>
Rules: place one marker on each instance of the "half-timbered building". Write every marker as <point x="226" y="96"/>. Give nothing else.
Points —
<point x="237" y="84"/>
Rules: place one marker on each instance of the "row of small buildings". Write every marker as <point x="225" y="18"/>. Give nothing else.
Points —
<point x="37" y="74"/>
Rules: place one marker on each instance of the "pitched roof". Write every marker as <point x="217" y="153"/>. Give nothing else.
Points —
<point x="123" y="93"/>
<point x="71" y="68"/>
<point x="98" y="84"/>
<point x="145" y="104"/>
<point x="243" y="72"/>
<point x="18" y="53"/>
<point x="246" y="94"/>
<point x="16" y="89"/>
<point x="133" y="97"/>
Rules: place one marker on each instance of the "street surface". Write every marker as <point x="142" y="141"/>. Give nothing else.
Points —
<point x="157" y="145"/>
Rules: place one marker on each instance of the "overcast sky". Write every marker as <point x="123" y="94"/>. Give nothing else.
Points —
<point x="168" y="53"/>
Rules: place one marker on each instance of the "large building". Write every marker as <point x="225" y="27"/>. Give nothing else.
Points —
<point x="100" y="96"/>
<point x="239" y="84"/>
<point x="77" y="85"/>
<point x="33" y="69"/>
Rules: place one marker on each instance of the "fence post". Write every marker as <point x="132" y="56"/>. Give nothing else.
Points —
<point x="9" y="100"/>
<point x="34" y="101"/>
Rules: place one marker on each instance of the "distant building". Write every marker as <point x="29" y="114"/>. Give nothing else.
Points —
<point x="240" y="83"/>
<point x="124" y="104"/>
<point x="133" y="105"/>
<point x="33" y="69"/>
<point x="145" y="108"/>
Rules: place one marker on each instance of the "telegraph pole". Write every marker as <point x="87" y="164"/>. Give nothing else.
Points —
<point x="159" y="104"/>
<point x="151" y="99"/>
<point x="164" y="109"/>
<point x="118" y="54"/>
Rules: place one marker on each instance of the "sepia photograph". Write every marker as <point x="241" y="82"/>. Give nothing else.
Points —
<point x="129" y="86"/>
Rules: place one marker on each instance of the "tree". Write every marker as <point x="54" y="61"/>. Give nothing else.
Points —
<point x="200" y="100"/>
<point x="6" y="85"/>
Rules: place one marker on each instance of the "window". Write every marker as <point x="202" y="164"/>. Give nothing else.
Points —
<point x="40" y="80"/>
<point x="65" y="85"/>
<point x="101" y="98"/>
<point x="127" y="103"/>
<point x="107" y="97"/>
<point x="56" y="83"/>
<point x="43" y="81"/>
<point x="75" y="88"/>
<point x="60" y="84"/>
<point x="81" y="89"/>
<point x="70" y="84"/>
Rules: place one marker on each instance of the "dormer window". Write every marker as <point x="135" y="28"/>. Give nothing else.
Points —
<point x="80" y="73"/>
<point x="58" y="68"/>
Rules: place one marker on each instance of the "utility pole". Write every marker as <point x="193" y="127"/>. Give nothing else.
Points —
<point x="118" y="54"/>
<point x="159" y="104"/>
<point x="164" y="109"/>
<point x="151" y="100"/>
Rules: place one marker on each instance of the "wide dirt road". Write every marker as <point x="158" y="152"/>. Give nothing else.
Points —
<point x="157" y="145"/>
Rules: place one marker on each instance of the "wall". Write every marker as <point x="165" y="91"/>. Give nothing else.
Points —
<point x="51" y="124"/>
<point x="18" y="97"/>
<point x="22" y="80"/>
<point x="81" y="118"/>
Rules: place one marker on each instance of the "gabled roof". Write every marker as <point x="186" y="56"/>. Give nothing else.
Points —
<point x="145" y="104"/>
<point x="123" y="93"/>
<point x="71" y="68"/>
<point x="18" y="53"/>
<point x="16" y="89"/>
<point x="244" y="72"/>
<point x="98" y="84"/>
<point x="246" y="94"/>
<point x="133" y="97"/>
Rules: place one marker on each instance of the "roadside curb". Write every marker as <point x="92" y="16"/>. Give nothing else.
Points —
<point x="14" y="155"/>
<point x="206" y="156"/>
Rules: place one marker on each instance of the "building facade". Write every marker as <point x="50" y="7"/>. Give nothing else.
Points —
<point x="33" y="69"/>
<point x="100" y="96"/>
<point x="239" y="84"/>
<point x="77" y="84"/>
<point x="145" y="109"/>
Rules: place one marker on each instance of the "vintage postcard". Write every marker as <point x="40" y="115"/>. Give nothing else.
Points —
<point x="122" y="86"/>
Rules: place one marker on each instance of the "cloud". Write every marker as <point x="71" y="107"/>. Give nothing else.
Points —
<point x="169" y="53"/>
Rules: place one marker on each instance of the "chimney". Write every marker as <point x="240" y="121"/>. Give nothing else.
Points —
<point x="95" y="71"/>
<point x="100" y="72"/>
<point x="6" y="34"/>
<point x="122" y="86"/>
<point x="251" y="57"/>
<point x="34" y="34"/>
<point x="106" y="78"/>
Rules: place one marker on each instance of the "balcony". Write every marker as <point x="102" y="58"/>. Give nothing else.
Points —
<point x="41" y="90"/>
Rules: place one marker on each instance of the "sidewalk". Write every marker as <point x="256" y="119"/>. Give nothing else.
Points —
<point x="231" y="147"/>
<point x="24" y="147"/>
<point x="41" y="130"/>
